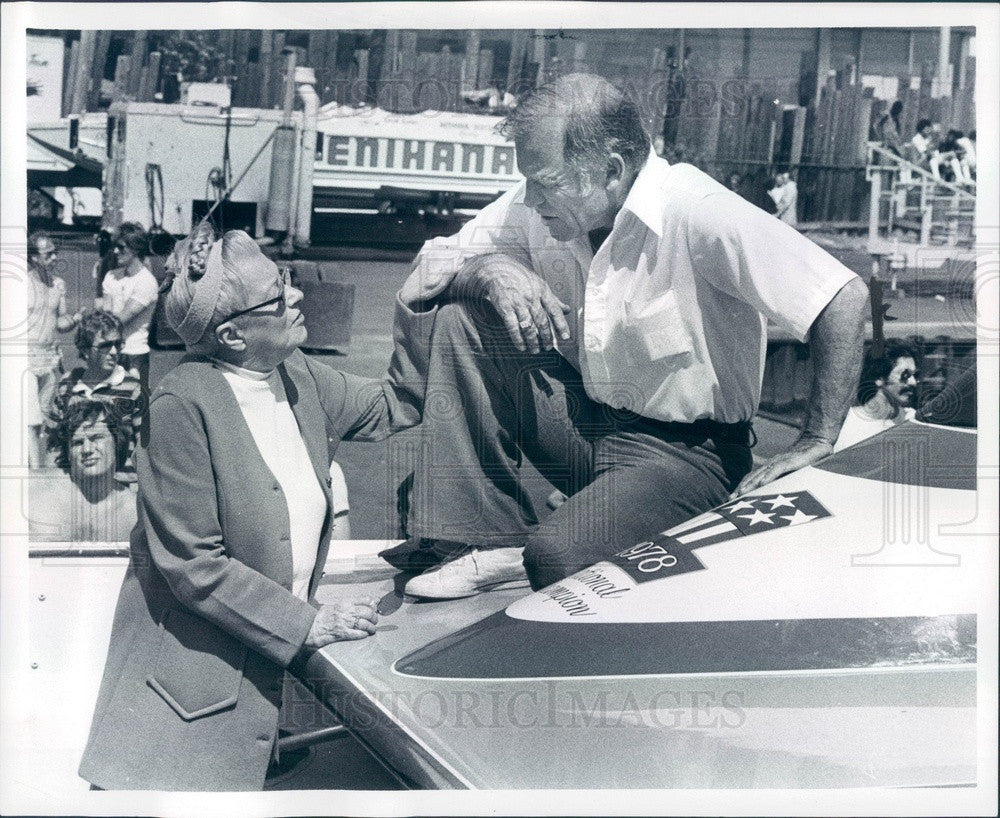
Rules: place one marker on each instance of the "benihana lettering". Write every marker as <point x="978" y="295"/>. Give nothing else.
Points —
<point x="363" y="153"/>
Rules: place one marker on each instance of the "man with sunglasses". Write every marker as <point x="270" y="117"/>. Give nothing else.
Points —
<point x="887" y="394"/>
<point x="235" y="517"/>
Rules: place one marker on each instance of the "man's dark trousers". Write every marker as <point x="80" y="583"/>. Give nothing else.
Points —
<point x="628" y="478"/>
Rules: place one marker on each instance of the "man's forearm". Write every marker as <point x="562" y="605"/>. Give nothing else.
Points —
<point x="131" y="310"/>
<point x="836" y="346"/>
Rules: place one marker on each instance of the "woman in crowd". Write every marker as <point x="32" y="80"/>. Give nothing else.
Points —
<point x="234" y="525"/>
<point x="102" y="378"/>
<point x="889" y="130"/>
<point x="130" y="293"/>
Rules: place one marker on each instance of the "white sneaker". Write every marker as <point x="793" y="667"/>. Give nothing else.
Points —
<point x="478" y="570"/>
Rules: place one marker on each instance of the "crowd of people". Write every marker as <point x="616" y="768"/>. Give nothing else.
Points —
<point x="606" y="320"/>
<point x="108" y="391"/>
<point x="109" y="388"/>
<point x="950" y="158"/>
<point x="775" y="193"/>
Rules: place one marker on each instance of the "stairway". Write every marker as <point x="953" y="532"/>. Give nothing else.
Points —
<point x="910" y="203"/>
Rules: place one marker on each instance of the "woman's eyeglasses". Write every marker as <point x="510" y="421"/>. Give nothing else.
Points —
<point x="283" y="282"/>
<point x="106" y="346"/>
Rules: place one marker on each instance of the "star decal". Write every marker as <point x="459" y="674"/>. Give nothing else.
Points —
<point x="741" y="505"/>
<point x="781" y="500"/>
<point x="758" y="517"/>
<point x="798" y="518"/>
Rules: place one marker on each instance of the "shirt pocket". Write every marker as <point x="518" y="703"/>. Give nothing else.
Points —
<point x="657" y="327"/>
<point x="198" y="667"/>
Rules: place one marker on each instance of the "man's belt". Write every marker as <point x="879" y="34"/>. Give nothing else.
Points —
<point x="741" y="433"/>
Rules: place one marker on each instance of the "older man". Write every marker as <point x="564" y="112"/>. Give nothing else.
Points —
<point x="607" y="320"/>
<point x="234" y="524"/>
<point x="47" y="315"/>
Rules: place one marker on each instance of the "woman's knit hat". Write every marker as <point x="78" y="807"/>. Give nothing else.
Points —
<point x="198" y="269"/>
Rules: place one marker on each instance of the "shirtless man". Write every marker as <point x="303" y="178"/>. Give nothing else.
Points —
<point x="47" y="316"/>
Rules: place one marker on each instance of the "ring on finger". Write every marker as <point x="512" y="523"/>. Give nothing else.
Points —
<point x="526" y="323"/>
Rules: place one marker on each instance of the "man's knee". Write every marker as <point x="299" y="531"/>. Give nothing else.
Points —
<point x="468" y="322"/>
<point x="548" y="558"/>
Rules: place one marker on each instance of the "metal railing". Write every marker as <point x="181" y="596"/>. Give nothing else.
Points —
<point x="906" y="176"/>
<point x="897" y="164"/>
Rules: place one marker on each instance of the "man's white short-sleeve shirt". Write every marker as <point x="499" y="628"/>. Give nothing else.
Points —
<point x="669" y="317"/>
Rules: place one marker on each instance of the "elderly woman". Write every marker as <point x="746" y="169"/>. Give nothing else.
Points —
<point x="234" y="524"/>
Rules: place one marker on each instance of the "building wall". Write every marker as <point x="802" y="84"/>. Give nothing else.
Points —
<point x="777" y="57"/>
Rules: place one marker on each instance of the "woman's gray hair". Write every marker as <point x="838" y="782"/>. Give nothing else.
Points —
<point x="209" y="282"/>
<point x="599" y="120"/>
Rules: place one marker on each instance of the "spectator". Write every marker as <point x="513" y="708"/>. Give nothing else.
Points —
<point x="947" y="162"/>
<point x="785" y="193"/>
<point x="102" y="379"/>
<point x="920" y="144"/>
<point x="888" y="129"/>
<point x="886" y="395"/>
<point x="92" y="505"/>
<point x="754" y="188"/>
<point x="47" y="315"/>
<point x="130" y="293"/>
<point x="968" y="144"/>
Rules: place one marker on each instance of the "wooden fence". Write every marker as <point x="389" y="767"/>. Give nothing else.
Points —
<point x="726" y="125"/>
<point x="826" y="141"/>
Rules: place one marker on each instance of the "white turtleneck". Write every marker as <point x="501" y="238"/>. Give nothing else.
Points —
<point x="261" y="398"/>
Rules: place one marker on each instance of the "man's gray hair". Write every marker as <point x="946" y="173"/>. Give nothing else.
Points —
<point x="599" y="120"/>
